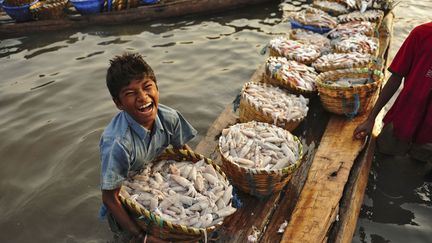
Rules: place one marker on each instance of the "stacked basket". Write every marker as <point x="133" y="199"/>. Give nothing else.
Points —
<point x="253" y="178"/>
<point x="296" y="77"/>
<point x="288" y="111"/>
<point x="350" y="100"/>
<point x="165" y="229"/>
<point x="49" y="9"/>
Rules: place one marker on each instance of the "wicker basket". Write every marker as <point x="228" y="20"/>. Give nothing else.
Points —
<point x="248" y="112"/>
<point x="292" y="88"/>
<point x="334" y="8"/>
<point x="373" y="15"/>
<point x="155" y="225"/>
<point x="260" y="182"/>
<point x="299" y="58"/>
<point x="49" y="9"/>
<point x="349" y="101"/>
<point x="370" y="62"/>
<point x="338" y="48"/>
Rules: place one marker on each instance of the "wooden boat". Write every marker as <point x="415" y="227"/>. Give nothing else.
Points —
<point x="322" y="201"/>
<point x="163" y="9"/>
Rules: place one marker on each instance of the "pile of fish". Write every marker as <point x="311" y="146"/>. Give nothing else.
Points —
<point x="351" y="28"/>
<point x="314" y="17"/>
<point x="312" y="38"/>
<point x="257" y="145"/>
<point x="185" y="193"/>
<point x="347" y="82"/>
<point x="357" y="43"/>
<point x="289" y="71"/>
<point x="275" y="102"/>
<point x="304" y="53"/>
<point x="373" y="15"/>
<point x="335" y="61"/>
<point x="333" y="7"/>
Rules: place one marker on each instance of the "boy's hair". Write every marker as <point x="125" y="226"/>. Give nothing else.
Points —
<point x="124" y="69"/>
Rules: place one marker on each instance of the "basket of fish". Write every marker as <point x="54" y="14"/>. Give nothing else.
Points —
<point x="334" y="61"/>
<point x="348" y="91"/>
<point x="357" y="43"/>
<point x="267" y="103"/>
<point x="372" y="15"/>
<point x="331" y="7"/>
<point x="296" y="77"/>
<point x="312" y="19"/>
<point x="49" y="9"/>
<point x="312" y="38"/>
<point x="294" y="50"/>
<point x="259" y="158"/>
<point x="181" y="196"/>
<point x="352" y="28"/>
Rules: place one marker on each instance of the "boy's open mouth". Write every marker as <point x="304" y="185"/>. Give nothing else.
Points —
<point x="146" y="108"/>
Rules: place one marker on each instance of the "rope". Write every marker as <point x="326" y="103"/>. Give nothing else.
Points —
<point x="264" y="50"/>
<point x="356" y="106"/>
<point x="251" y="183"/>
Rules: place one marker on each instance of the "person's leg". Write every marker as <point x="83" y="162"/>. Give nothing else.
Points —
<point x="388" y="144"/>
<point x="421" y="152"/>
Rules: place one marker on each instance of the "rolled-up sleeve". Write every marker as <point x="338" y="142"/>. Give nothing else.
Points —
<point x="184" y="132"/>
<point x="114" y="160"/>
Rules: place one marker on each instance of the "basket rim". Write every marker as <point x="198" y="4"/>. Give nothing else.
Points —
<point x="281" y="119"/>
<point x="319" y="80"/>
<point x="160" y="222"/>
<point x="282" y="171"/>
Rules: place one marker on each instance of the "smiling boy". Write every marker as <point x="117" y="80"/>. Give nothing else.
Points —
<point x="135" y="136"/>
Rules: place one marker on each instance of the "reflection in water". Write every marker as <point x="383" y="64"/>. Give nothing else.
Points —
<point x="45" y="50"/>
<point x="90" y="55"/>
<point x="115" y="41"/>
<point x="42" y="85"/>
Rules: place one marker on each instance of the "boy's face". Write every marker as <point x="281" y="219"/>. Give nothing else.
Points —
<point x="140" y="99"/>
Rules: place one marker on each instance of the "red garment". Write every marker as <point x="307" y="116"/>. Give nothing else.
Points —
<point x="411" y="114"/>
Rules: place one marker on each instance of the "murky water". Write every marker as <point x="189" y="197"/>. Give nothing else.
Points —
<point x="54" y="106"/>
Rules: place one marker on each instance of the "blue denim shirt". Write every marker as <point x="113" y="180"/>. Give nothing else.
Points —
<point x="127" y="146"/>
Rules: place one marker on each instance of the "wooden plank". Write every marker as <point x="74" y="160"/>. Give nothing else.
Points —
<point x="318" y="202"/>
<point x="352" y="200"/>
<point x="318" y="205"/>
<point x="164" y="9"/>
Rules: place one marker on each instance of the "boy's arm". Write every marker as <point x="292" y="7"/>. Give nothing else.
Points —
<point x="112" y="201"/>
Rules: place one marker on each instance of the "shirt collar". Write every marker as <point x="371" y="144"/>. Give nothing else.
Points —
<point x="139" y="129"/>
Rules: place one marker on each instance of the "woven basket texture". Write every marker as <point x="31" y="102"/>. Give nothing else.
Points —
<point x="299" y="59"/>
<point x="330" y="10"/>
<point x="155" y="225"/>
<point x="374" y="53"/>
<point x="259" y="182"/>
<point x="248" y="112"/>
<point x="342" y="100"/>
<point x="49" y="9"/>
<point x="292" y="88"/>
<point x="373" y="63"/>
<point x="118" y="5"/>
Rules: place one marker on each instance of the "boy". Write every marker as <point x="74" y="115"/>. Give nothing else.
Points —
<point x="135" y="136"/>
<point x="408" y="124"/>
